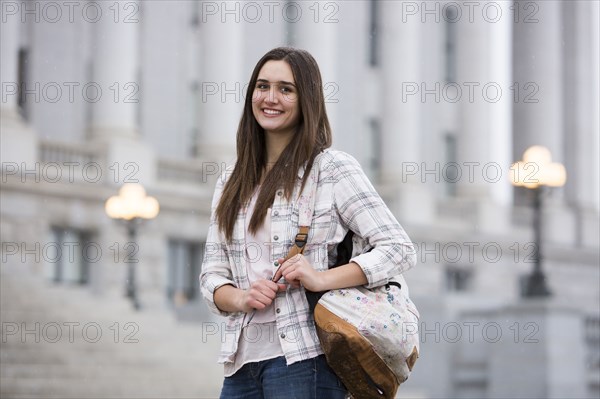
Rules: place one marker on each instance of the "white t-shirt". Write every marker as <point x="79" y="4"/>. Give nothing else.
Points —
<point x="259" y="340"/>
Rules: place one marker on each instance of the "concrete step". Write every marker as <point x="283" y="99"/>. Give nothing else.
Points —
<point x="154" y="371"/>
<point x="44" y="387"/>
<point x="164" y="359"/>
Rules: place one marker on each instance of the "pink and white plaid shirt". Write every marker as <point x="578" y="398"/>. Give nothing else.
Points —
<point x="345" y="199"/>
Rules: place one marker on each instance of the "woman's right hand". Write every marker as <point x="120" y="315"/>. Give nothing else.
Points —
<point x="260" y="295"/>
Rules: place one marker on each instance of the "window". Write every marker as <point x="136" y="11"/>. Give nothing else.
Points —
<point x="185" y="258"/>
<point x="375" y="160"/>
<point x="88" y="110"/>
<point x="290" y="27"/>
<point x="69" y="255"/>
<point x="22" y="78"/>
<point x="193" y="120"/>
<point x="134" y="98"/>
<point x="373" y="33"/>
<point x="450" y="168"/>
<point x="195" y="17"/>
<point x="450" y="45"/>
<point x="458" y="279"/>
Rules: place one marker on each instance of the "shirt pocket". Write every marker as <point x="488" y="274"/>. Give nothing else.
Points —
<point x="318" y="235"/>
<point x="322" y="222"/>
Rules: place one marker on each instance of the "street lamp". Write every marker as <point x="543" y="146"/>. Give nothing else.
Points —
<point x="535" y="172"/>
<point x="131" y="206"/>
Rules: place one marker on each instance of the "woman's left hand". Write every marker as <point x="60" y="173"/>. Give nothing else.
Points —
<point x="297" y="271"/>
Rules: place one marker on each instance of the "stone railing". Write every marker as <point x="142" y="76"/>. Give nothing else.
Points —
<point x="65" y="162"/>
<point x="61" y="153"/>
<point x="72" y="162"/>
<point x="191" y="171"/>
<point x="592" y="340"/>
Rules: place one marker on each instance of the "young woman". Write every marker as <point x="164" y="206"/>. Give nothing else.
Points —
<point x="270" y="347"/>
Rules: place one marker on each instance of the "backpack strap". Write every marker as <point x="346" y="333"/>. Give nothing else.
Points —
<point x="299" y="242"/>
<point x="306" y="209"/>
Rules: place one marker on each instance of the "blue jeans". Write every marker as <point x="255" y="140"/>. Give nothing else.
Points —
<point x="270" y="379"/>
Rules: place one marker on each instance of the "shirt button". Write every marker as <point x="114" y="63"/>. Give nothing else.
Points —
<point x="276" y="213"/>
<point x="279" y="193"/>
<point x="278" y="310"/>
<point x="275" y="238"/>
<point x="282" y="335"/>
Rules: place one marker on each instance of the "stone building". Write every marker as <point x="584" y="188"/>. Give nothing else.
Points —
<point x="435" y="100"/>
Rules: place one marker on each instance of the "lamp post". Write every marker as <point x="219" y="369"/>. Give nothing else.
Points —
<point x="131" y="206"/>
<point x="535" y="172"/>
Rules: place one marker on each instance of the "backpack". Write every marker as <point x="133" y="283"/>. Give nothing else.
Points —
<point x="369" y="336"/>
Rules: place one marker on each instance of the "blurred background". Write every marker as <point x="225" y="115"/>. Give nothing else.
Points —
<point x="436" y="99"/>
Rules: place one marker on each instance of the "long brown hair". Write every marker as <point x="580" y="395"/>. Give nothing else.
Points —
<point x="312" y="135"/>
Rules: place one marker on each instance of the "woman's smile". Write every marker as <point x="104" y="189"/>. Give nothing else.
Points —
<point x="269" y="112"/>
<point x="275" y="99"/>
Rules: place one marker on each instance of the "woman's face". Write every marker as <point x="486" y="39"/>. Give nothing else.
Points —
<point x="275" y="99"/>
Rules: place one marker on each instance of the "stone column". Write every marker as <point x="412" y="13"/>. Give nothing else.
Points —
<point x="353" y="93"/>
<point x="315" y="30"/>
<point x="116" y="72"/>
<point x="501" y="137"/>
<point x="484" y="145"/>
<point x="114" y="130"/>
<point x="483" y="72"/>
<point x="223" y="81"/>
<point x="402" y="152"/>
<point x="115" y="126"/>
<point x="540" y="107"/>
<point x="581" y="56"/>
<point x="538" y="74"/>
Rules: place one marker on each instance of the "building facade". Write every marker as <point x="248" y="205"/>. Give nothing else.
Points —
<point x="435" y="100"/>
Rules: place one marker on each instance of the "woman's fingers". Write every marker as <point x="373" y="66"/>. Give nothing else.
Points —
<point x="292" y="265"/>
<point x="262" y="293"/>
<point x="298" y="271"/>
<point x="279" y="270"/>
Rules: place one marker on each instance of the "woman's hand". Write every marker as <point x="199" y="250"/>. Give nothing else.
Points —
<point x="297" y="271"/>
<point x="260" y="295"/>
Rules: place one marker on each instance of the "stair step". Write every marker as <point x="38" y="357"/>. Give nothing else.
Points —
<point x="169" y="358"/>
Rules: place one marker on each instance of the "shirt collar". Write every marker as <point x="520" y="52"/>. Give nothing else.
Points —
<point x="302" y="167"/>
<point x="301" y="170"/>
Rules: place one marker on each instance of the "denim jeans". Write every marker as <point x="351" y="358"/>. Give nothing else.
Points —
<point x="270" y="379"/>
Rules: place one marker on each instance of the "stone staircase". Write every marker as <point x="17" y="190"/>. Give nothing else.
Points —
<point x="63" y="342"/>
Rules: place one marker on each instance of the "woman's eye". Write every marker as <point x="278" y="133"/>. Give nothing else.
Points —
<point x="262" y="86"/>
<point x="286" y="90"/>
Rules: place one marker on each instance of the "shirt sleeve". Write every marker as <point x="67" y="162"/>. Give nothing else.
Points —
<point x="361" y="208"/>
<point x="216" y="270"/>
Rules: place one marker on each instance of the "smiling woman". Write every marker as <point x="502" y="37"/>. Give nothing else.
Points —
<point x="271" y="348"/>
<point x="284" y="126"/>
<point x="275" y="104"/>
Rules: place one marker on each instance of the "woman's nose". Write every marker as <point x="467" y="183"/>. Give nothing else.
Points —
<point x="272" y="96"/>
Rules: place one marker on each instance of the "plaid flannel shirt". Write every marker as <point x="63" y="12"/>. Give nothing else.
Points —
<point x="345" y="199"/>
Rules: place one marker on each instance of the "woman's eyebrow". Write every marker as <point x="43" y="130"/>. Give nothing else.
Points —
<point x="280" y="82"/>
